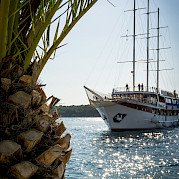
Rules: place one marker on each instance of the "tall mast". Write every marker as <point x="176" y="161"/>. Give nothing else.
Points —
<point x="134" y="51"/>
<point x="148" y="46"/>
<point x="158" y="51"/>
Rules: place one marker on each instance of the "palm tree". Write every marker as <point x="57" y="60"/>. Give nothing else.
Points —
<point x="31" y="144"/>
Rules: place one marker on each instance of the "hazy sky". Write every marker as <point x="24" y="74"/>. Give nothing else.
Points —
<point x="95" y="46"/>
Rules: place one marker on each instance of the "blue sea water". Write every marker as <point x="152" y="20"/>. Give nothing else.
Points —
<point x="99" y="153"/>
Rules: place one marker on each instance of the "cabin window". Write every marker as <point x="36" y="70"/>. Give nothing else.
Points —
<point x="168" y="100"/>
<point x="174" y="101"/>
<point x="170" y="113"/>
<point x="161" y="99"/>
<point x="174" y="113"/>
<point x="162" y="112"/>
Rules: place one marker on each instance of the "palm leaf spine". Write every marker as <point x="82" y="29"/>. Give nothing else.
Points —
<point x="13" y="7"/>
<point x="44" y="60"/>
<point x="37" y="38"/>
<point x="16" y="22"/>
<point x="4" y="13"/>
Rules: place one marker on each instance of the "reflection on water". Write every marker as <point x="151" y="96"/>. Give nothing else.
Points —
<point x="99" y="153"/>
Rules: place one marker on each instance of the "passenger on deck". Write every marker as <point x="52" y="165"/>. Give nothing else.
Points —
<point x="127" y="87"/>
<point x="142" y="87"/>
<point x="174" y="93"/>
<point x="139" y="87"/>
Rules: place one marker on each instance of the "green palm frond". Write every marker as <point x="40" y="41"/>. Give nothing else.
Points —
<point x="4" y="13"/>
<point x="26" y="28"/>
<point x="36" y="37"/>
<point x="72" y="19"/>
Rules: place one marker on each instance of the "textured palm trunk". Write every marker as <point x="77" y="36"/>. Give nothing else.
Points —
<point x="32" y="144"/>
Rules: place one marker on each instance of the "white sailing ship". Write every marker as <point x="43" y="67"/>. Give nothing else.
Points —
<point x="140" y="109"/>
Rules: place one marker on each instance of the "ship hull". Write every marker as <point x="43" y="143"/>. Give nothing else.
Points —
<point x="120" y="117"/>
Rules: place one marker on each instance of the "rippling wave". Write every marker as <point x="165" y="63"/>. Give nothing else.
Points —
<point x="99" y="153"/>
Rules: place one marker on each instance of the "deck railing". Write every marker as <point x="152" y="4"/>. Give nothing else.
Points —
<point x="144" y="89"/>
<point x="151" y="89"/>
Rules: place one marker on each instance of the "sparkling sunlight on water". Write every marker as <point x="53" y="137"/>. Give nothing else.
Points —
<point x="99" y="153"/>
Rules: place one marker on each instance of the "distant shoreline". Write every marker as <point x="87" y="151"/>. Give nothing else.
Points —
<point x="77" y="111"/>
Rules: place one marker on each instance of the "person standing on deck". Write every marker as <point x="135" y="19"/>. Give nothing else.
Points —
<point x="139" y="87"/>
<point x="127" y="87"/>
<point x="142" y="87"/>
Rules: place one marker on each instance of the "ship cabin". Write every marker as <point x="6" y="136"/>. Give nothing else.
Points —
<point x="149" y="98"/>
